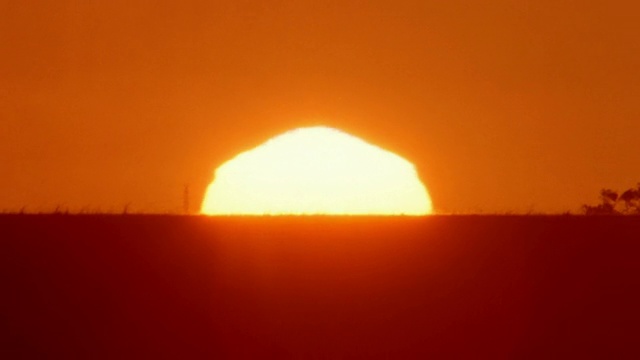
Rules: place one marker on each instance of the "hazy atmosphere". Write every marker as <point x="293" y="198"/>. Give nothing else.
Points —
<point x="524" y="106"/>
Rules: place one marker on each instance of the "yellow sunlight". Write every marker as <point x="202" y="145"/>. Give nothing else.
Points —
<point x="316" y="170"/>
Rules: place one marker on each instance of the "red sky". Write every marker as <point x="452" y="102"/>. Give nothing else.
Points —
<point x="503" y="105"/>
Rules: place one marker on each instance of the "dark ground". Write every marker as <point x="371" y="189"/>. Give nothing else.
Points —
<point x="136" y="286"/>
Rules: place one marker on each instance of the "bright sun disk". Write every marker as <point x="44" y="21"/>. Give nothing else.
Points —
<point x="316" y="170"/>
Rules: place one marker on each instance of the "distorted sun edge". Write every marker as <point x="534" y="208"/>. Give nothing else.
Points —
<point x="332" y="149"/>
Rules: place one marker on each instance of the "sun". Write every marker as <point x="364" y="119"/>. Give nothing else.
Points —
<point x="316" y="171"/>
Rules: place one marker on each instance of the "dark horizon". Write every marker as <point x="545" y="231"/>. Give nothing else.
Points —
<point x="275" y="287"/>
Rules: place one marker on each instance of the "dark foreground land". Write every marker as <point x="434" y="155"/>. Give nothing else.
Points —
<point x="438" y="287"/>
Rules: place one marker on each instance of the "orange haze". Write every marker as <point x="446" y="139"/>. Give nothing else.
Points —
<point x="501" y="105"/>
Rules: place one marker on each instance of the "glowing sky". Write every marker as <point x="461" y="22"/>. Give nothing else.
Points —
<point x="502" y="105"/>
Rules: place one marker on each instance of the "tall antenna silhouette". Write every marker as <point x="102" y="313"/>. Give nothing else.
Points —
<point x="185" y="200"/>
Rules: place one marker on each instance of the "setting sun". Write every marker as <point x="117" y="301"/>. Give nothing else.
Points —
<point x="316" y="170"/>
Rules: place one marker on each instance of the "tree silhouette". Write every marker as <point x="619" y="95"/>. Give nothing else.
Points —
<point x="611" y="202"/>
<point x="631" y="199"/>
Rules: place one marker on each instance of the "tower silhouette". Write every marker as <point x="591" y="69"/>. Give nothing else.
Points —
<point x="185" y="200"/>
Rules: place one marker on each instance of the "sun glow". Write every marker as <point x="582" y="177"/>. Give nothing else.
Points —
<point x="316" y="170"/>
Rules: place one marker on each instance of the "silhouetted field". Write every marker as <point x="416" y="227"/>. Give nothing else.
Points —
<point x="440" y="287"/>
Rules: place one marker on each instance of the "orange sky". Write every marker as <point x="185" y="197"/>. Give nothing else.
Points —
<point x="503" y="105"/>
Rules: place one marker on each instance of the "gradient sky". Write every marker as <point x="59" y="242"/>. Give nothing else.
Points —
<point x="503" y="105"/>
